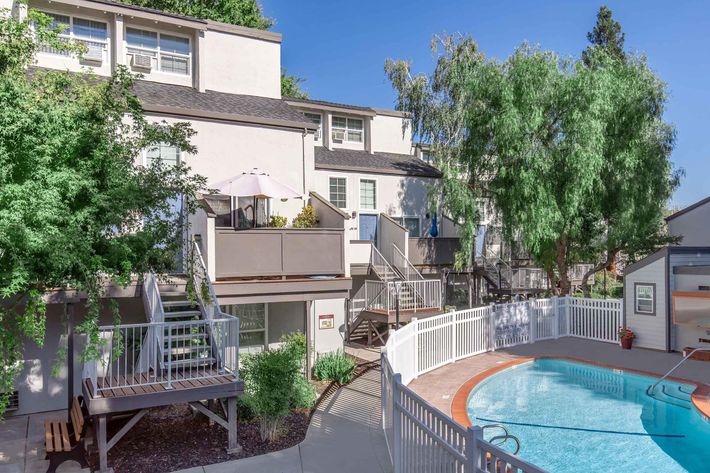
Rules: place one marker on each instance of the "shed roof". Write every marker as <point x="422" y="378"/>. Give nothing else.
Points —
<point x="689" y="208"/>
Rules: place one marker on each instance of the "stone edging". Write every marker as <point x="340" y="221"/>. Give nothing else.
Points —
<point x="459" y="412"/>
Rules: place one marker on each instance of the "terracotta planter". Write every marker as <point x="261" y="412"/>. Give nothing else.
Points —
<point x="626" y="343"/>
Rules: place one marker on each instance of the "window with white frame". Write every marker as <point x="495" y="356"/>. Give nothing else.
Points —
<point x="347" y="129"/>
<point x="167" y="155"/>
<point x="338" y="191"/>
<point x="645" y="301"/>
<point x="368" y="194"/>
<point x="167" y="53"/>
<point x="91" y="33"/>
<point x="315" y="118"/>
<point x="253" y="325"/>
<point x="412" y="224"/>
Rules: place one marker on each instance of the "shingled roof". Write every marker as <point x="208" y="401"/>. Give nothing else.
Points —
<point x="177" y="99"/>
<point x="380" y="163"/>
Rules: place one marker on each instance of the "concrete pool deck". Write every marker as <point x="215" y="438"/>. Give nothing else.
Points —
<point x="440" y="386"/>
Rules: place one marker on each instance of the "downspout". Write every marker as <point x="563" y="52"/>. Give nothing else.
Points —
<point x="303" y="154"/>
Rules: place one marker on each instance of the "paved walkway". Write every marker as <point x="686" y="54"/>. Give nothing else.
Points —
<point x="344" y="437"/>
<point x="439" y="386"/>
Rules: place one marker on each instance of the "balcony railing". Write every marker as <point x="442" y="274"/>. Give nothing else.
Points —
<point x="162" y="353"/>
<point x="414" y="296"/>
<point x="262" y="252"/>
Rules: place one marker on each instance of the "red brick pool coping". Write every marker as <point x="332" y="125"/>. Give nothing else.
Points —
<point x="459" y="411"/>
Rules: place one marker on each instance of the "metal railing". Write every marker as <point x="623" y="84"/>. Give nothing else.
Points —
<point x="381" y="266"/>
<point x="652" y="388"/>
<point x="404" y="266"/>
<point x="131" y="355"/>
<point x="413" y="295"/>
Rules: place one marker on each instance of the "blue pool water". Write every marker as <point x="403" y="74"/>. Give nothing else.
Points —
<point x="575" y="417"/>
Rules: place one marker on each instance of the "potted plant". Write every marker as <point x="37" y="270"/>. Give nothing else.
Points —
<point x="626" y="335"/>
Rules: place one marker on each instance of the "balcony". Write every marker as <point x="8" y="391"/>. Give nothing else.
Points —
<point x="433" y="251"/>
<point x="284" y="252"/>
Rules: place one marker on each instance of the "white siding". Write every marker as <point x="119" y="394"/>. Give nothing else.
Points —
<point x="397" y="196"/>
<point x="389" y="136"/>
<point x="241" y="65"/>
<point x="650" y="329"/>
<point x="225" y="150"/>
<point x="693" y="226"/>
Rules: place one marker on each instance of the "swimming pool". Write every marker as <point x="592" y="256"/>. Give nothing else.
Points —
<point x="576" y="417"/>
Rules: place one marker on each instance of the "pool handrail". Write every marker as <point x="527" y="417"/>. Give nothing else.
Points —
<point x="653" y="387"/>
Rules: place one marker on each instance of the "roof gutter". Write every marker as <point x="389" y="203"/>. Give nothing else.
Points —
<point x="230" y="117"/>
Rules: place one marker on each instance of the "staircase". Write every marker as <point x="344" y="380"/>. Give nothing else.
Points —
<point x="497" y="273"/>
<point x="374" y="306"/>
<point x="185" y="338"/>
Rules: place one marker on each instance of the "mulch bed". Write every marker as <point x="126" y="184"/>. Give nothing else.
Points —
<point x="174" y="437"/>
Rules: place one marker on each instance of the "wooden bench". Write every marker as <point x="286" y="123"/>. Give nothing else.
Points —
<point x="65" y="440"/>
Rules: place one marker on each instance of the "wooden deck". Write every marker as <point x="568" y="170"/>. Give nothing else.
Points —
<point x="145" y="384"/>
<point x="139" y="391"/>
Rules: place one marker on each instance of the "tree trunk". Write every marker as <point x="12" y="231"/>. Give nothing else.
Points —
<point x="609" y="261"/>
<point x="562" y="267"/>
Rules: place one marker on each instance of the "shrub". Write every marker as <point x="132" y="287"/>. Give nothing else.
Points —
<point x="304" y="394"/>
<point x="269" y="381"/>
<point x="336" y="367"/>
<point x="277" y="221"/>
<point x="307" y="218"/>
<point x="295" y="343"/>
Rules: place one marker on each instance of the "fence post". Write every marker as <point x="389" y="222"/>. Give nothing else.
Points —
<point x="454" y="337"/>
<point x="556" y="312"/>
<point x="532" y="320"/>
<point x="415" y="344"/>
<point x="396" y="424"/>
<point x="568" y="304"/>
<point x="473" y="448"/>
<point x="492" y="328"/>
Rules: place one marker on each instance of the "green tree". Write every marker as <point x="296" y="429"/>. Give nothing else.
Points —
<point x="606" y="35"/>
<point x="76" y="208"/>
<point x="553" y="143"/>
<point x="290" y="86"/>
<point x="236" y="12"/>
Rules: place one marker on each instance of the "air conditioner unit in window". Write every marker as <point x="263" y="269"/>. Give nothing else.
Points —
<point x="338" y="135"/>
<point x="94" y="53"/>
<point x="142" y="61"/>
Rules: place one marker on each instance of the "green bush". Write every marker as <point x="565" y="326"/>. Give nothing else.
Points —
<point x="269" y="380"/>
<point x="307" y="218"/>
<point x="304" y="394"/>
<point x="274" y="384"/>
<point x="277" y="221"/>
<point x="336" y="367"/>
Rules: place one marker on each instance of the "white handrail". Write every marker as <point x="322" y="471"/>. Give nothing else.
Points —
<point x="381" y="266"/>
<point x="685" y="358"/>
<point x="404" y="265"/>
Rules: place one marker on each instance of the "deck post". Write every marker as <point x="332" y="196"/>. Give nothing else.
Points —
<point x="100" y="428"/>
<point x="473" y="453"/>
<point x="232" y="440"/>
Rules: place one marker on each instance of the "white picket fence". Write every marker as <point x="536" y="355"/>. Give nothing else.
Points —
<point x="421" y="438"/>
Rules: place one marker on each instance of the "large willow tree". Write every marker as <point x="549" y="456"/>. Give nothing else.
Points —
<point x="77" y="210"/>
<point x="564" y="151"/>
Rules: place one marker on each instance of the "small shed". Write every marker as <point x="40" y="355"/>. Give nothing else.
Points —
<point x="675" y="277"/>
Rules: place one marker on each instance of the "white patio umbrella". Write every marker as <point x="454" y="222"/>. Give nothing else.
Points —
<point x="258" y="185"/>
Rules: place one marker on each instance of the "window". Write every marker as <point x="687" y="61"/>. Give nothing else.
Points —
<point x="347" y="129"/>
<point x="314" y="118"/>
<point x="412" y="224"/>
<point x="168" y="155"/>
<point x="645" y="300"/>
<point x="93" y="34"/>
<point x="253" y="325"/>
<point x="169" y="53"/>
<point x="338" y="186"/>
<point x="368" y="194"/>
<point x="426" y="157"/>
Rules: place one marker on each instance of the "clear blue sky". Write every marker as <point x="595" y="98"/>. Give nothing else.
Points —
<point x="340" y="49"/>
